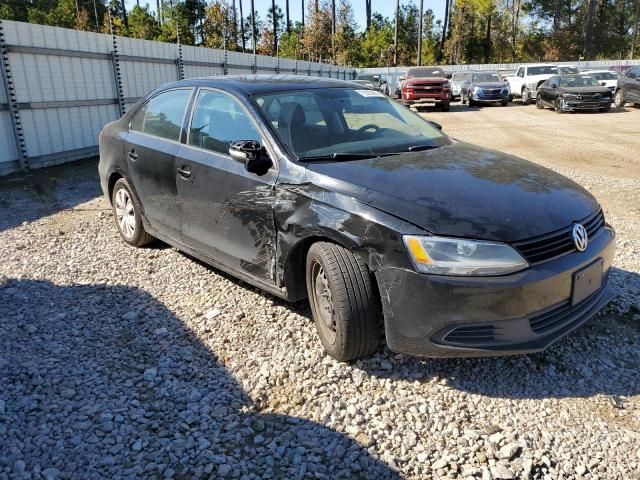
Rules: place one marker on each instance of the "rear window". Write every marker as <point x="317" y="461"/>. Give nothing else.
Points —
<point x="543" y="70"/>
<point x="604" y="75"/>
<point x="162" y="115"/>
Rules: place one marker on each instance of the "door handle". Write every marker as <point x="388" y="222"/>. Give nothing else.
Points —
<point x="184" y="172"/>
<point x="133" y="155"/>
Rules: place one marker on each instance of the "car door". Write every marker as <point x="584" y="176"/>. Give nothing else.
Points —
<point x="153" y="141"/>
<point x="227" y="211"/>
<point x="633" y="85"/>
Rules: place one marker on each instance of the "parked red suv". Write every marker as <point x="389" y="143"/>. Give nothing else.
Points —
<point x="427" y="85"/>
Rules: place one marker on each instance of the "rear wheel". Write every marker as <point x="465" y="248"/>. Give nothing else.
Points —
<point x="619" y="99"/>
<point x="345" y="307"/>
<point x="525" y="96"/>
<point x="126" y="212"/>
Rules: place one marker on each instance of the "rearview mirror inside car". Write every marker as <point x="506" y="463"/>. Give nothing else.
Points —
<point x="250" y="152"/>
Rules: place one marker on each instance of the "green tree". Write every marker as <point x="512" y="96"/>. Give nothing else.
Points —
<point x="142" y="24"/>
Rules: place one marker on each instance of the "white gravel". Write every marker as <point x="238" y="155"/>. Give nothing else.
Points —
<point x="143" y="363"/>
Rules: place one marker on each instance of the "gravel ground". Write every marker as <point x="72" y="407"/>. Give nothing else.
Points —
<point x="143" y="363"/>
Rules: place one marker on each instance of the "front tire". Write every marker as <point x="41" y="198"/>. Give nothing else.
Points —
<point x="539" y="102"/>
<point x="445" y="106"/>
<point x="619" y="99"/>
<point x="525" y="96"/>
<point x="605" y="109"/>
<point x="126" y="213"/>
<point x="558" y="105"/>
<point x="343" y="300"/>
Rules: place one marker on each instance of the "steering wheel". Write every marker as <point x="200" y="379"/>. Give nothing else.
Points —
<point x="364" y="128"/>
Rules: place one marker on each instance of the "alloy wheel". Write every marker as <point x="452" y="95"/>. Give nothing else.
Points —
<point x="323" y="303"/>
<point x="619" y="99"/>
<point x="125" y="214"/>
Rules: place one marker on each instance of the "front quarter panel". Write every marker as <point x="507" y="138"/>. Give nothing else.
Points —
<point x="306" y="211"/>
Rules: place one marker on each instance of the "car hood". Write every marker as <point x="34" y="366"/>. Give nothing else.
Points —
<point x="463" y="191"/>
<point x="490" y="84"/>
<point x="426" y="79"/>
<point x="599" y="89"/>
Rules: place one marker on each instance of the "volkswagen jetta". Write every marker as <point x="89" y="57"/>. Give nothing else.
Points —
<point x="319" y="189"/>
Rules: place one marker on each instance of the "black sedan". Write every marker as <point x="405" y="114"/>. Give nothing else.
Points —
<point x="571" y="93"/>
<point x="483" y="88"/>
<point x="319" y="189"/>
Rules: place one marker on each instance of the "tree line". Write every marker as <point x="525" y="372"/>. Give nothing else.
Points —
<point x="472" y="31"/>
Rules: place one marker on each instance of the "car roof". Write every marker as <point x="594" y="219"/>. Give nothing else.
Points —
<point x="541" y="65"/>
<point x="261" y="83"/>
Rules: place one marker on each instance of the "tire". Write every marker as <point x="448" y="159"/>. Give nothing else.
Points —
<point x="558" y="105"/>
<point x="605" y="109"/>
<point x="504" y="102"/>
<point x="126" y="206"/>
<point x="525" y="96"/>
<point x="343" y="300"/>
<point x="463" y="99"/>
<point x="619" y="99"/>
<point x="445" y="106"/>
<point x="471" y="103"/>
<point x="539" y="104"/>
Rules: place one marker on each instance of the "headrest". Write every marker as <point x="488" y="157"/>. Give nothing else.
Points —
<point x="291" y="113"/>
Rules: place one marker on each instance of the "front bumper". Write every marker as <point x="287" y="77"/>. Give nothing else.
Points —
<point x="410" y="98"/>
<point x="490" y="99"/>
<point x="576" y="105"/>
<point x="441" y="316"/>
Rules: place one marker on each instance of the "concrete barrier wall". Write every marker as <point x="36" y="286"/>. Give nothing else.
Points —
<point x="67" y="84"/>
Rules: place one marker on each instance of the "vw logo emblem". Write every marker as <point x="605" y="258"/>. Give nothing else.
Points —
<point x="580" y="237"/>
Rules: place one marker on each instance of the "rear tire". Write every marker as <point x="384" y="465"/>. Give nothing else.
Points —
<point x="344" y="303"/>
<point x="127" y="215"/>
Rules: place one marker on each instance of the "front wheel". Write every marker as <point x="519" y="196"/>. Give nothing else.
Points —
<point x="445" y="106"/>
<point x="558" y="105"/>
<point x="343" y="300"/>
<point x="126" y="212"/>
<point x="619" y="99"/>
<point x="539" y="102"/>
<point x="525" y="96"/>
<point x="505" y="102"/>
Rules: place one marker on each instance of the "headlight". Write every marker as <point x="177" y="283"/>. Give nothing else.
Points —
<point x="532" y="86"/>
<point x="477" y="90"/>
<point x="456" y="256"/>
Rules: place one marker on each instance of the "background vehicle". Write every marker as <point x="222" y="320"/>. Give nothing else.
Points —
<point x="373" y="79"/>
<point x="363" y="83"/>
<point x="458" y="79"/>
<point x="607" y="78"/>
<point x="570" y="93"/>
<point x="524" y="84"/>
<point x="568" y="69"/>
<point x="485" y="87"/>
<point x="424" y="85"/>
<point x="628" y="89"/>
<point x="383" y="85"/>
<point x="398" y="92"/>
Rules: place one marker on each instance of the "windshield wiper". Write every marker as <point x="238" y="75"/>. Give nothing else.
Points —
<point x="343" y="156"/>
<point x="418" y="148"/>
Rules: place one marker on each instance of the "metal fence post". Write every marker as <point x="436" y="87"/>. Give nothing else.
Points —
<point x="117" y="77"/>
<point x="12" y="101"/>
<point x="179" y="64"/>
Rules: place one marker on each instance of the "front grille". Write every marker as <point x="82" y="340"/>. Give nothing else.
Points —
<point x="471" y="335"/>
<point x="546" y="247"/>
<point x="492" y="92"/>
<point x="564" y="315"/>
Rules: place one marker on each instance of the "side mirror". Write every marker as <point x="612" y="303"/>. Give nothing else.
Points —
<point x="252" y="154"/>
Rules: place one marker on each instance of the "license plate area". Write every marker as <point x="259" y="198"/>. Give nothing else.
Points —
<point x="586" y="281"/>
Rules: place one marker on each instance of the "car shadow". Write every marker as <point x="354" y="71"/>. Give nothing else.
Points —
<point x="104" y="381"/>
<point x="601" y="357"/>
<point x="49" y="190"/>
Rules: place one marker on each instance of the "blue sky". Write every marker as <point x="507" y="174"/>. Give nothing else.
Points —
<point x="385" y="7"/>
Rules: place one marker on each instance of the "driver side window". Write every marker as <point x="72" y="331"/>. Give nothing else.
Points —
<point x="520" y="72"/>
<point x="218" y="120"/>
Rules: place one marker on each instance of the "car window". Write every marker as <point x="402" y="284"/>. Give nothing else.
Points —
<point x="486" y="77"/>
<point x="520" y="72"/>
<point x="604" y="75"/>
<point x="543" y="70"/>
<point x="162" y="115"/>
<point x="578" y="81"/>
<point x="218" y="120"/>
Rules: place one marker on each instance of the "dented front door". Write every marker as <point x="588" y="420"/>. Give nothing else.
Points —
<point x="227" y="211"/>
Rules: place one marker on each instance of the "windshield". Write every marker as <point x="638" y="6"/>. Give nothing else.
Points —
<point x="568" y="70"/>
<point x="604" y="75"/>
<point x="425" y="72"/>
<point x="578" y="81"/>
<point x="330" y="121"/>
<point x="543" y="70"/>
<point x="486" y="77"/>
